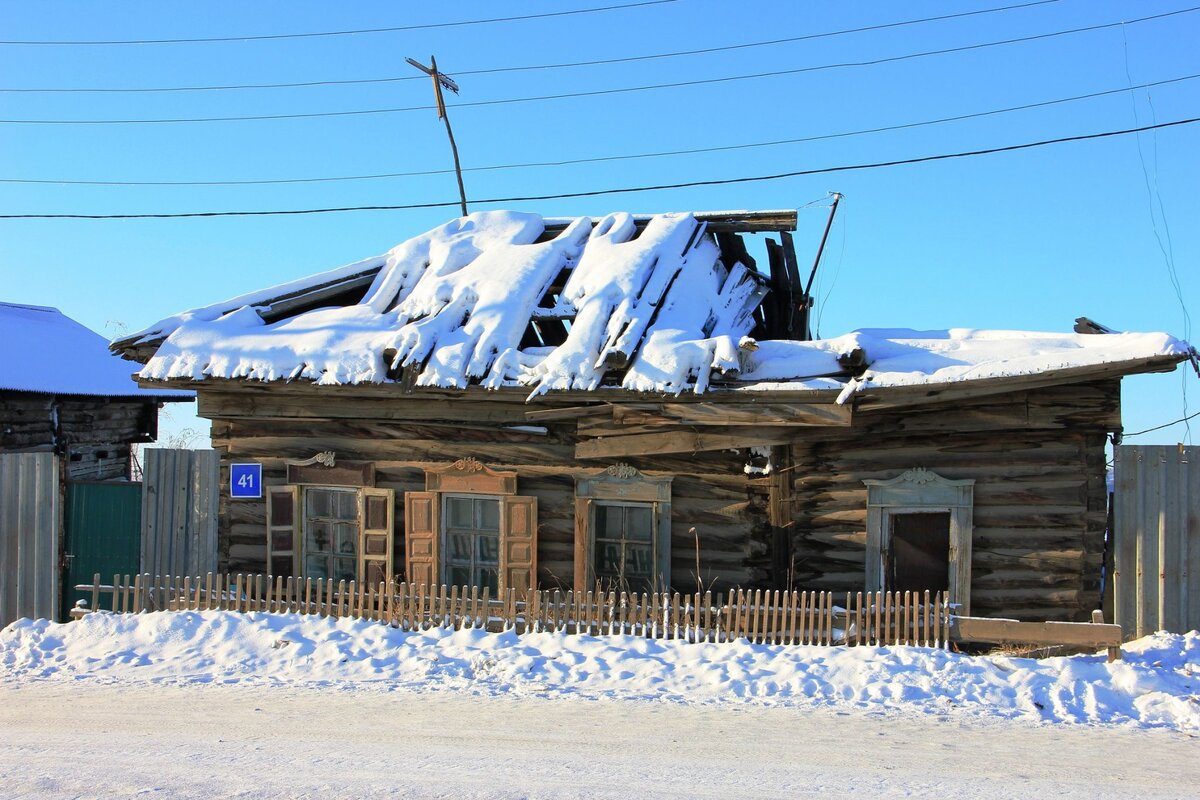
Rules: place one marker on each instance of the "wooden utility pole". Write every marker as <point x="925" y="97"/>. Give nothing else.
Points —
<point x="439" y="81"/>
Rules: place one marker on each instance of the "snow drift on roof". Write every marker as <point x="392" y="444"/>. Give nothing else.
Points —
<point x="901" y="357"/>
<point x="468" y="303"/>
<point x="42" y="350"/>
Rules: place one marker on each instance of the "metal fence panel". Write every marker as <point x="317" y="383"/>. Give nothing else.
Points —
<point x="1156" y="545"/>
<point x="179" y="511"/>
<point x="29" y="526"/>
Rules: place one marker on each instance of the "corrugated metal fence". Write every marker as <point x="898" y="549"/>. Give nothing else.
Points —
<point x="29" y="525"/>
<point x="179" y="511"/>
<point x="1156" y="539"/>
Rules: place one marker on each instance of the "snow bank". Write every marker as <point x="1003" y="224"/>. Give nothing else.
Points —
<point x="1157" y="685"/>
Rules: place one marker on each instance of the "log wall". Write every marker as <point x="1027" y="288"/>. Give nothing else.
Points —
<point x="1040" y="494"/>
<point x="92" y="433"/>
<point x="1037" y="457"/>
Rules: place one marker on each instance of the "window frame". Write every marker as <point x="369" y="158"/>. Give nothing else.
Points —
<point x="622" y="484"/>
<point x="424" y="527"/>
<point x="917" y="491"/>
<point x="332" y="554"/>
<point x="292" y="527"/>
<point x="445" y="529"/>
<point x="623" y="582"/>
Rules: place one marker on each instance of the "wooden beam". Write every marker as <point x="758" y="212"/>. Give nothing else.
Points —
<point x="571" y="412"/>
<point x="1010" y="631"/>
<point x="718" y="221"/>
<point x="679" y="441"/>
<point x="774" y="414"/>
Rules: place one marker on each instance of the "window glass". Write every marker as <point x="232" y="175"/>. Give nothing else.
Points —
<point x="488" y="549"/>
<point x="347" y="505"/>
<point x="347" y="539"/>
<point x="471" y="541"/>
<point x="459" y="512"/>
<point x="318" y="502"/>
<point x="458" y="547"/>
<point x="639" y="523"/>
<point x="330" y="533"/>
<point x="489" y="514"/>
<point x="623" y="557"/>
<point x="317" y="536"/>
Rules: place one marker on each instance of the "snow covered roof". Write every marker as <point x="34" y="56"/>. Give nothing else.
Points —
<point x="502" y="299"/>
<point x="43" y="350"/>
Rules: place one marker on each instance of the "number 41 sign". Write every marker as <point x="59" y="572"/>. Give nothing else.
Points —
<point x="245" y="480"/>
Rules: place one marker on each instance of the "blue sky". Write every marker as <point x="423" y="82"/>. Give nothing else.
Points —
<point x="1025" y="240"/>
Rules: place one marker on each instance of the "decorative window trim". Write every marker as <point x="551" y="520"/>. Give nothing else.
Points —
<point x="471" y="476"/>
<point x="618" y="484"/>
<point x="285" y="531"/>
<point x="921" y="490"/>
<point x="323" y="469"/>
<point x="424" y="530"/>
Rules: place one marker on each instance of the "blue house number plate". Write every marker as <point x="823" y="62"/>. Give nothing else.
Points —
<point x="245" y="480"/>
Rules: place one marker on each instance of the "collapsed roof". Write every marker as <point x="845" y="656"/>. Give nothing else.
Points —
<point x="663" y="304"/>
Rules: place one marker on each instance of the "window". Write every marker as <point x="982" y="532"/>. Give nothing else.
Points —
<point x="920" y="552"/>
<point x="471" y="528"/>
<point x="471" y="541"/>
<point x="624" y="544"/>
<point x="919" y="531"/>
<point x="330" y="532"/>
<point x="330" y="541"/>
<point x="623" y="531"/>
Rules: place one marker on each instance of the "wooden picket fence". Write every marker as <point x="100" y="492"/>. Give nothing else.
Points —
<point x="769" y="617"/>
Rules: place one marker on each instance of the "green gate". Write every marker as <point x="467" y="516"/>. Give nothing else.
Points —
<point x="102" y="533"/>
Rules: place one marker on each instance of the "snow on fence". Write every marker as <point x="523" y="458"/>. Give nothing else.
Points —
<point x="770" y="617"/>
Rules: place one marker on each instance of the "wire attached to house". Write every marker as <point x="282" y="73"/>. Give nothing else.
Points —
<point x="624" y="157"/>
<point x="630" y="189"/>
<point x="533" y="67"/>
<point x="1164" y="425"/>
<point x="394" y="29"/>
<point x="595" y="92"/>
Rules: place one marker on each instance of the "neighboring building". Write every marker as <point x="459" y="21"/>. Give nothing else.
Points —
<point x="61" y="390"/>
<point x="508" y="400"/>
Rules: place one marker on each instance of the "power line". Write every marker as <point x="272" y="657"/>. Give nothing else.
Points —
<point x="530" y="67"/>
<point x="630" y="189"/>
<point x="394" y="29"/>
<point x="1160" y="427"/>
<point x="600" y="92"/>
<point x="623" y="157"/>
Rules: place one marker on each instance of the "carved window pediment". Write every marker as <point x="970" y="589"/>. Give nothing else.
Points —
<point x="470" y="475"/>
<point x="624" y="482"/>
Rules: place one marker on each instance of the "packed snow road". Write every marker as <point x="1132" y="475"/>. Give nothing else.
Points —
<point x="86" y="739"/>
<point x="218" y="704"/>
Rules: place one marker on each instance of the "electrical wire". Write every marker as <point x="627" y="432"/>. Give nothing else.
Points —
<point x="394" y="29"/>
<point x="1160" y="427"/>
<point x="624" y="157"/>
<point x="598" y="92"/>
<point x="630" y="189"/>
<point x="531" y="67"/>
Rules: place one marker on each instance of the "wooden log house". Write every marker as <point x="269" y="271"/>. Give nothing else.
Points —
<point x="510" y="401"/>
<point x="62" y="391"/>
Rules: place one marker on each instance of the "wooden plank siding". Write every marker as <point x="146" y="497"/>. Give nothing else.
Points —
<point x="1037" y="457"/>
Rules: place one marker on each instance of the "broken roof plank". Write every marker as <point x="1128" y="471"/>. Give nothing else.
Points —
<point x="774" y="221"/>
<point x="784" y="414"/>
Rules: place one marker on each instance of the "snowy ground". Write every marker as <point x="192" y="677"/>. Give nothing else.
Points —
<point x="225" y="705"/>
